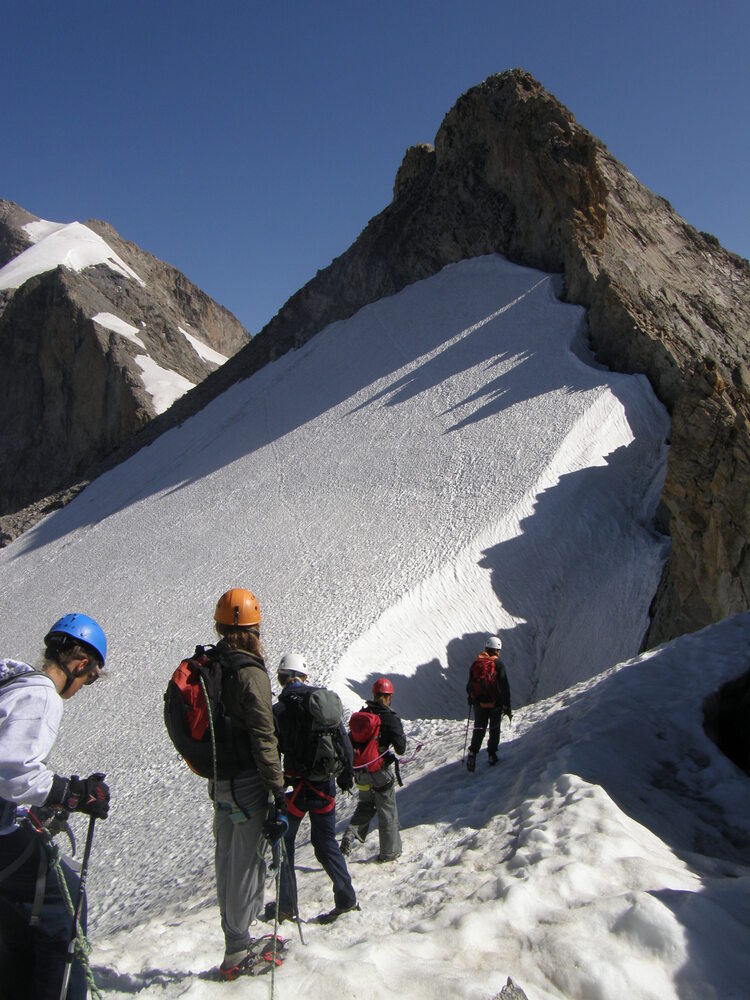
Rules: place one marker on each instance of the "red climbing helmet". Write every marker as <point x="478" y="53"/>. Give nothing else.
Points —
<point x="382" y="686"/>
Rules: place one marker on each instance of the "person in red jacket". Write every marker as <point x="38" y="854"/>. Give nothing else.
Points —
<point x="489" y="693"/>
<point x="377" y="790"/>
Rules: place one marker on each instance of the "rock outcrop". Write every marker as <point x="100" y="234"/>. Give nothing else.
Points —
<point x="512" y="172"/>
<point x="93" y="349"/>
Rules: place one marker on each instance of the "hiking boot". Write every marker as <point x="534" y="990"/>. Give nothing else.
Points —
<point x="256" y="959"/>
<point x="234" y="964"/>
<point x="492" y="757"/>
<point x="346" y="845"/>
<point x="270" y="914"/>
<point x="471" y="761"/>
<point x="383" y="858"/>
<point x="335" y="913"/>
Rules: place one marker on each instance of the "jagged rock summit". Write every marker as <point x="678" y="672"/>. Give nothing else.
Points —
<point x="97" y="337"/>
<point x="512" y="172"/>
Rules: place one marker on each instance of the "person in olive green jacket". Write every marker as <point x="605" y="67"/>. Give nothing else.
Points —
<point x="251" y="803"/>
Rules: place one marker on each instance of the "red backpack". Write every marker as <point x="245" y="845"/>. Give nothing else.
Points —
<point x="483" y="680"/>
<point x="364" y="729"/>
<point x="201" y="732"/>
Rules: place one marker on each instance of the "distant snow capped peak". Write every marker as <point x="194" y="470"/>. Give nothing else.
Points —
<point x="71" y="245"/>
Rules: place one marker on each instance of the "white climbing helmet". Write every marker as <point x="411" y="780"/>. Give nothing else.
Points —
<point x="492" y="642"/>
<point x="292" y="665"/>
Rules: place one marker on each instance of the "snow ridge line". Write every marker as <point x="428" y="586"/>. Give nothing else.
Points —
<point x="401" y="640"/>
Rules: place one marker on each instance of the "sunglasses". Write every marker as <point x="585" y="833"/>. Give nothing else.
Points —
<point x="92" y="674"/>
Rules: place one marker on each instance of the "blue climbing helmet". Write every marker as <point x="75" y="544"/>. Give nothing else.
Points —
<point x="79" y="628"/>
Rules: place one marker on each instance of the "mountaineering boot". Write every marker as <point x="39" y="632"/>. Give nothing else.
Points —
<point x="492" y="759"/>
<point x="346" y="845"/>
<point x="471" y="761"/>
<point x="269" y="914"/>
<point x="232" y="962"/>
<point x="335" y="913"/>
<point x="255" y="960"/>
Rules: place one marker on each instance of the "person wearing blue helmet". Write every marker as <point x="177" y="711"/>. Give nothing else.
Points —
<point x="35" y="920"/>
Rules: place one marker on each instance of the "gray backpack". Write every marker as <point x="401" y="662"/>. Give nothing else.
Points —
<point x="312" y="739"/>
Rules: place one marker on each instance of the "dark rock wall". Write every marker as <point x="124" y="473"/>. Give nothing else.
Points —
<point x="66" y="401"/>
<point x="73" y="389"/>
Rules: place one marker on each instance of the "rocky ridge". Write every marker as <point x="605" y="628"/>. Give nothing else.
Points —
<point x="92" y="353"/>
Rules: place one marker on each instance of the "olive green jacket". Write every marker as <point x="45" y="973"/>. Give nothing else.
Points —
<point x="246" y="696"/>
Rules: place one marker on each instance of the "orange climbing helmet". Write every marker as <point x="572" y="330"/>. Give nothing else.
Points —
<point x="237" y="607"/>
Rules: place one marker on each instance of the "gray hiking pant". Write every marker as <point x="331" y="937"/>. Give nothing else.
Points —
<point x="240" y="866"/>
<point x="377" y="798"/>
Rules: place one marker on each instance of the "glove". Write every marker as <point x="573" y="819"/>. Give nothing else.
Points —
<point x="87" y="795"/>
<point x="277" y="822"/>
<point x="468" y="700"/>
<point x="345" y="780"/>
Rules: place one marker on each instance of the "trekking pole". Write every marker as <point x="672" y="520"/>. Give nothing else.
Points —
<point x="78" y="908"/>
<point x="283" y="855"/>
<point x="466" y="737"/>
<point x="276" y="913"/>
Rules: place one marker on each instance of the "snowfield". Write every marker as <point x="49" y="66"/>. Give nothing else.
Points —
<point x="447" y="463"/>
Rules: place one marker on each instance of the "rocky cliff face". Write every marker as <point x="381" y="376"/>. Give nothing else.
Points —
<point x="512" y="172"/>
<point x="93" y="349"/>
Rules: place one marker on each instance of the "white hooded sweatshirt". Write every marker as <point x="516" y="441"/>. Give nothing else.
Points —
<point x="30" y="714"/>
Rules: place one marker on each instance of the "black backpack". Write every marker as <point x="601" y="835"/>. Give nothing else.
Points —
<point x="210" y="742"/>
<point x="311" y="736"/>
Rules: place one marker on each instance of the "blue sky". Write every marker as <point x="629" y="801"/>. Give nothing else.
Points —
<point x="250" y="143"/>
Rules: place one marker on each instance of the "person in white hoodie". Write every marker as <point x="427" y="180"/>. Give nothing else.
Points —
<point x="35" y="918"/>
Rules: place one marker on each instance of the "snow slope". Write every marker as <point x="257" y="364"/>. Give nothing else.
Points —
<point x="446" y="463"/>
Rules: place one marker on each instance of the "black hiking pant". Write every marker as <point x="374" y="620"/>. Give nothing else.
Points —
<point x="317" y="798"/>
<point x="32" y="958"/>
<point x="482" y="716"/>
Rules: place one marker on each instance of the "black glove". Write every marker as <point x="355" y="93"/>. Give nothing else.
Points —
<point x="276" y="823"/>
<point x="345" y="780"/>
<point x="87" y="795"/>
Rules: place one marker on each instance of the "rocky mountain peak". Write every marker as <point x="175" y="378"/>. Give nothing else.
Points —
<point x="98" y="337"/>
<point x="510" y="171"/>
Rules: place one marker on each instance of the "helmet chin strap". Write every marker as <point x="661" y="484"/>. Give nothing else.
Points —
<point x="71" y="676"/>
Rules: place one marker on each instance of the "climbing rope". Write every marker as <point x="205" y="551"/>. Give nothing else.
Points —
<point x="82" y="945"/>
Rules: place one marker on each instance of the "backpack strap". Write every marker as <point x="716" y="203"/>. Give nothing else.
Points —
<point x="40" y="886"/>
<point x="16" y="677"/>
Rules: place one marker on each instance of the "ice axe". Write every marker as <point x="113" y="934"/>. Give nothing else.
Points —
<point x="466" y="737"/>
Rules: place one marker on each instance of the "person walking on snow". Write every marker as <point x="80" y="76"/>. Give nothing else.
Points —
<point x="310" y="793"/>
<point x="489" y="692"/>
<point x="35" y="920"/>
<point x="243" y="813"/>
<point x="377" y="789"/>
